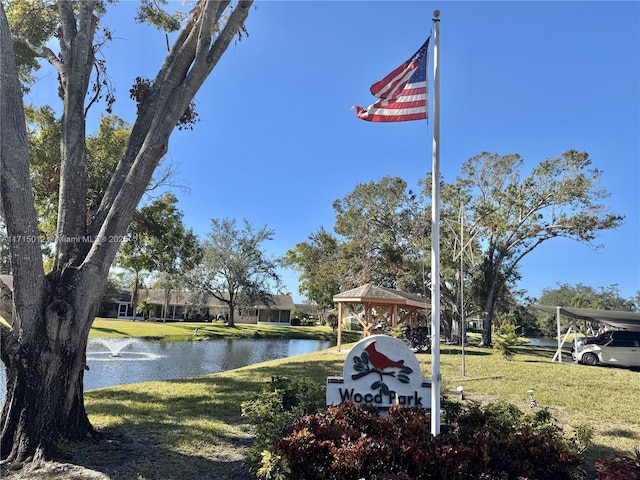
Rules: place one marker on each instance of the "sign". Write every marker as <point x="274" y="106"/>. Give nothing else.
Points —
<point x="381" y="371"/>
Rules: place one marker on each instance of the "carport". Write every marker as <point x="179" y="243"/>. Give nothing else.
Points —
<point x="618" y="320"/>
<point x="379" y="303"/>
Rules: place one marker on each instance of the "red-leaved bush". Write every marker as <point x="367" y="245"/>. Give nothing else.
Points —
<point x="619" y="467"/>
<point x="352" y="442"/>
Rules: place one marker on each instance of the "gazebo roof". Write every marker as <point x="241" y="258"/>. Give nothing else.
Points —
<point x="370" y="293"/>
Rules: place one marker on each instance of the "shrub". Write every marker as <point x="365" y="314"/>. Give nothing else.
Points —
<point x="450" y="409"/>
<point x="619" y="467"/>
<point x="273" y="467"/>
<point x="348" y="442"/>
<point x="582" y="438"/>
<point x="506" y="340"/>
<point x="272" y="411"/>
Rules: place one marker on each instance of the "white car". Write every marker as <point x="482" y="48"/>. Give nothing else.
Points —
<point x="618" y="347"/>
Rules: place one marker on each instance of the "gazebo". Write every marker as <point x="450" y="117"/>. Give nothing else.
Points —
<point x="379" y="303"/>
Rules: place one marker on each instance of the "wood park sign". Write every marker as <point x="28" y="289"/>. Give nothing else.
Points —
<point x="381" y="371"/>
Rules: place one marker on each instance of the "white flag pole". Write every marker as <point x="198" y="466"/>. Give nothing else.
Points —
<point x="435" y="235"/>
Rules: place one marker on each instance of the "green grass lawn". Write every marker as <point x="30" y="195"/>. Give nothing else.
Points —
<point x="109" y="327"/>
<point x="195" y="425"/>
<point x="193" y="428"/>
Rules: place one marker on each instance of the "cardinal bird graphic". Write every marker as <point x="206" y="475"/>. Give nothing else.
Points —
<point x="373" y="361"/>
<point x="380" y="360"/>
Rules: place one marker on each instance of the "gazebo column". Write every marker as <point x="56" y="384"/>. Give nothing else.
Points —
<point x="367" y="320"/>
<point x="339" y="325"/>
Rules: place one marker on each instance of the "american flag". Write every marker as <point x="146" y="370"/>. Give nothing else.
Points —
<point x="402" y="93"/>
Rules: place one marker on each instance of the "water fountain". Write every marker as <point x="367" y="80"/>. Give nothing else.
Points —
<point x="116" y="345"/>
<point x="118" y="348"/>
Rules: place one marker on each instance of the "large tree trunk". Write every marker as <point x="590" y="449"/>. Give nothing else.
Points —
<point x="231" y="322"/>
<point x="135" y="294"/>
<point x="44" y="350"/>
<point x="491" y="280"/>
<point x="487" y="323"/>
<point x="44" y="399"/>
<point x="45" y="376"/>
<point x="492" y="284"/>
<point x="446" y="324"/>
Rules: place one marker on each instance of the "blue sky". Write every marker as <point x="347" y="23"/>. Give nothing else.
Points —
<point x="277" y="142"/>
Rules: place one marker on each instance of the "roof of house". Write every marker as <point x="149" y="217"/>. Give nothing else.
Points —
<point x="283" y="302"/>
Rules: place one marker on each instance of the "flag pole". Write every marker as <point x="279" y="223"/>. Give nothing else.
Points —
<point x="435" y="235"/>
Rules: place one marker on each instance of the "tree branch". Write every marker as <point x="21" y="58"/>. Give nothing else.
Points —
<point x="201" y="69"/>
<point x="157" y="117"/>
<point x="76" y="54"/>
<point x="210" y="21"/>
<point x="15" y="190"/>
<point x="40" y="51"/>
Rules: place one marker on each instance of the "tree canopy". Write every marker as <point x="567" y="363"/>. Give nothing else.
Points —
<point x="493" y="215"/>
<point x="559" y="197"/>
<point x="236" y="268"/>
<point x="317" y="261"/>
<point x="158" y="242"/>
<point x="378" y="222"/>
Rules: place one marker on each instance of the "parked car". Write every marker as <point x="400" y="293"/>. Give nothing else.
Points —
<point x="618" y="347"/>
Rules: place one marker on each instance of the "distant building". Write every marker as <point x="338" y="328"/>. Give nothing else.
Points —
<point x="182" y="306"/>
<point x="194" y="307"/>
<point x="310" y="309"/>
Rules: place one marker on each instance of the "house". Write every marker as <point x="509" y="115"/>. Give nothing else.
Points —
<point x="120" y="307"/>
<point x="191" y="306"/>
<point x="181" y="306"/>
<point x="309" y="309"/>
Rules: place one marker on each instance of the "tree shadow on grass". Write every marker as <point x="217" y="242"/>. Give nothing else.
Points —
<point x="110" y="330"/>
<point x="598" y="452"/>
<point x="472" y="353"/>
<point x="131" y="452"/>
<point x="623" y="432"/>
<point x="540" y="352"/>
<point x="187" y="429"/>
<point x="186" y="400"/>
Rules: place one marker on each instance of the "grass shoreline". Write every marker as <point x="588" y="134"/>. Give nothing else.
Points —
<point x="193" y="428"/>
<point x="176" y="331"/>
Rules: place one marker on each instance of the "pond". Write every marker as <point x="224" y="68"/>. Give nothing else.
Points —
<point x="121" y="361"/>
<point x="542" y="342"/>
